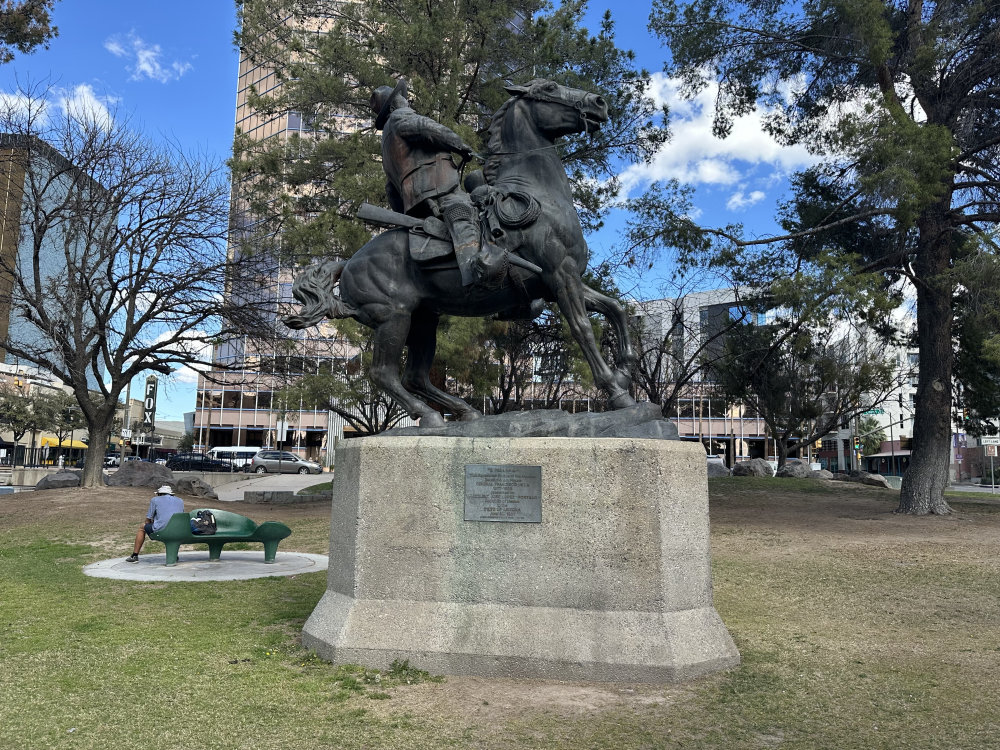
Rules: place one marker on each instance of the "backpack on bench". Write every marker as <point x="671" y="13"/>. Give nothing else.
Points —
<point x="203" y="523"/>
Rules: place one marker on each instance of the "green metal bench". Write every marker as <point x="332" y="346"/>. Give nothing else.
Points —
<point x="231" y="527"/>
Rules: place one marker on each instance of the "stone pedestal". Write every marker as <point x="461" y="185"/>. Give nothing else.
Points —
<point x="614" y="583"/>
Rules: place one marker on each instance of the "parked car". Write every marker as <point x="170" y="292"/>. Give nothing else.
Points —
<point x="282" y="462"/>
<point x="112" y="459"/>
<point x="197" y="462"/>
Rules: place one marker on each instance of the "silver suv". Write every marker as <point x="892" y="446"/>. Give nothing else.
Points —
<point x="282" y="462"/>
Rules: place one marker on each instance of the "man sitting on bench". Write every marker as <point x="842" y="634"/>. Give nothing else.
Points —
<point x="163" y="505"/>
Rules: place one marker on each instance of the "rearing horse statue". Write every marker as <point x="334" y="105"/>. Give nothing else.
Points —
<point x="383" y="288"/>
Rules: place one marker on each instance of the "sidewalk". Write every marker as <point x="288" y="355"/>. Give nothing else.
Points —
<point x="233" y="491"/>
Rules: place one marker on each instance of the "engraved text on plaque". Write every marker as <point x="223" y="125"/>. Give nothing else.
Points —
<point x="503" y="492"/>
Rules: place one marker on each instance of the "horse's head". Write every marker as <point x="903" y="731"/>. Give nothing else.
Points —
<point x="560" y="110"/>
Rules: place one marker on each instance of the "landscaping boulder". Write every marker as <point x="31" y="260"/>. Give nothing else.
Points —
<point x="62" y="478"/>
<point x="821" y="474"/>
<point x="755" y="467"/>
<point x="794" y="469"/>
<point x="717" y="469"/>
<point x="863" y="477"/>
<point x="194" y="486"/>
<point x="875" y="480"/>
<point x="141" y="474"/>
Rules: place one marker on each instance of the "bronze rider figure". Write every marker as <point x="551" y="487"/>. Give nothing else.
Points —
<point x="423" y="180"/>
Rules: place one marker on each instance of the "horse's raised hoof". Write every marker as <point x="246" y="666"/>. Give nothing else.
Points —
<point x="431" y="419"/>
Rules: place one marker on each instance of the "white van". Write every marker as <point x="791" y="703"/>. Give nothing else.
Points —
<point x="238" y="455"/>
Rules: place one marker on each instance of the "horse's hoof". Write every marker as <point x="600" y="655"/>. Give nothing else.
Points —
<point x="431" y="419"/>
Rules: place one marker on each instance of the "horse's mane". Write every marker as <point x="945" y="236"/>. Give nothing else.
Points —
<point x="494" y="139"/>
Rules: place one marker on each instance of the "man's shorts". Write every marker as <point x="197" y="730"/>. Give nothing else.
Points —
<point x="148" y="527"/>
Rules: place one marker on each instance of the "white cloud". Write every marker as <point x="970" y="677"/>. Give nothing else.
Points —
<point x="114" y="46"/>
<point x="18" y="106"/>
<point x="145" y="59"/>
<point x="83" y="104"/>
<point x="696" y="157"/>
<point x="739" y="200"/>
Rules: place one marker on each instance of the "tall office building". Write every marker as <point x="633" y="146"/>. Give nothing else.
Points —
<point x="236" y="401"/>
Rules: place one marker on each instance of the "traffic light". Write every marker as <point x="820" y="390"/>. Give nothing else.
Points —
<point x="857" y="443"/>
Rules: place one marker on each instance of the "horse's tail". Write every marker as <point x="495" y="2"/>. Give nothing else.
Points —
<point x="314" y="288"/>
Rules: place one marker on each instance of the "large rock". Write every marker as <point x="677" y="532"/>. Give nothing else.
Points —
<point x="755" y="467"/>
<point x="875" y="480"/>
<point x="863" y="477"/>
<point x="794" y="469"/>
<point x="717" y="469"/>
<point x="195" y="487"/>
<point x="141" y="474"/>
<point x="62" y="478"/>
<point x="445" y="553"/>
<point x="644" y="421"/>
<point x="821" y="474"/>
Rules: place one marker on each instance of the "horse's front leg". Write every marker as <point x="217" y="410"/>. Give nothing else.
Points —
<point x="571" y="296"/>
<point x="615" y="315"/>
<point x="387" y="351"/>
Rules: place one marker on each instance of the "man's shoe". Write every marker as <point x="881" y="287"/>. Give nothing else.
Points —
<point x="132" y="558"/>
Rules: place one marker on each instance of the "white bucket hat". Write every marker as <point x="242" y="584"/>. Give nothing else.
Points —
<point x="164" y="490"/>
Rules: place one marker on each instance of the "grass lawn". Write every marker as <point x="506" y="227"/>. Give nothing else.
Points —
<point x="858" y="629"/>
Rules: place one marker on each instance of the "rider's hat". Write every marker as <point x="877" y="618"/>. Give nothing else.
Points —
<point x="381" y="101"/>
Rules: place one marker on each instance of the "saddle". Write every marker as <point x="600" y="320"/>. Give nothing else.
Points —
<point x="497" y="212"/>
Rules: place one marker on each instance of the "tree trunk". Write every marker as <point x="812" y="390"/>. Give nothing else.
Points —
<point x="781" y="448"/>
<point x="93" y="466"/>
<point x="927" y="476"/>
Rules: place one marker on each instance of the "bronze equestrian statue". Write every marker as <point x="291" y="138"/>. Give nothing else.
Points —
<point x="403" y="280"/>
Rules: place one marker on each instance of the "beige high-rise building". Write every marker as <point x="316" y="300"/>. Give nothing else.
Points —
<point x="236" y="401"/>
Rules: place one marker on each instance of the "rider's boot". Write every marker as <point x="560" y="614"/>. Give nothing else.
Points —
<point x="487" y="267"/>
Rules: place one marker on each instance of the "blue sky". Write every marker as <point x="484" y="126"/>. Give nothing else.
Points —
<point x="172" y="68"/>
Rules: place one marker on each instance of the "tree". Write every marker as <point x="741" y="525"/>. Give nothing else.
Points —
<point x="977" y="326"/>
<point x="803" y="382"/>
<point x="122" y="263"/>
<point x="68" y="418"/>
<point x="186" y="443"/>
<point x="899" y="98"/>
<point x="24" y="26"/>
<point x="872" y="435"/>
<point x="507" y="363"/>
<point x="678" y="339"/>
<point x="16" y="412"/>
<point x="347" y="391"/>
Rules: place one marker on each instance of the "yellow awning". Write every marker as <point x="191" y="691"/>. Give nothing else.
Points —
<point x="66" y="443"/>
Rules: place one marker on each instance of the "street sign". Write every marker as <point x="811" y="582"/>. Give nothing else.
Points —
<point x="991" y="450"/>
<point x="989" y="440"/>
<point x="126" y="433"/>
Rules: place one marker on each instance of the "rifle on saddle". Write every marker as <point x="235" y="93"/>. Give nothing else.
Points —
<point x="431" y="226"/>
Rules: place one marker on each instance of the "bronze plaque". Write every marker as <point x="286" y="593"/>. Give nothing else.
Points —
<point x="503" y="492"/>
